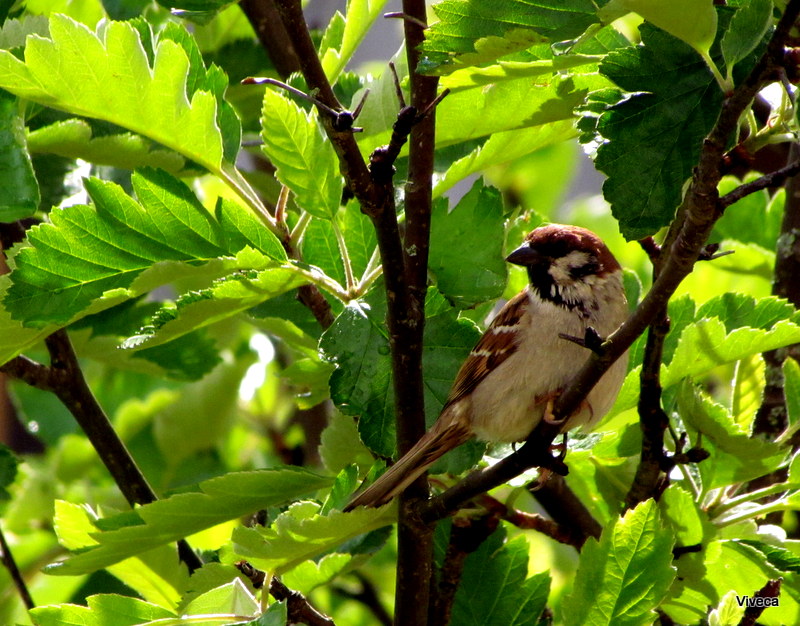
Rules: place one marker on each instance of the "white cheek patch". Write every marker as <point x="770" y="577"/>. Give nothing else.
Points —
<point x="561" y="269"/>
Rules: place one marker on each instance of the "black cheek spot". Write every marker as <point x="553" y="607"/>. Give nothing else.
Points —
<point x="592" y="267"/>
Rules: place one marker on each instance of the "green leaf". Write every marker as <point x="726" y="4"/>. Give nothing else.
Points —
<point x="208" y="402"/>
<point x="684" y="515"/>
<point x="309" y="575"/>
<point x="622" y="578"/>
<point x="756" y="218"/>
<point x="228" y="296"/>
<point x="739" y="310"/>
<point x="698" y="30"/>
<point x="653" y="137"/>
<point x="503" y="147"/>
<point x="233" y="598"/>
<point x="304" y="159"/>
<point x="275" y="615"/>
<point x="746" y="30"/>
<point x="728" y="611"/>
<point x="301" y="533"/>
<point x="86" y="252"/>
<point x="111" y="79"/>
<point x="780" y="558"/>
<point x="359" y="236"/>
<point x="319" y="248"/>
<point x="361" y="385"/>
<point x="73" y="139"/>
<point x="705" y="345"/>
<point x="195" y="5"/>
<point x="735" y="456"/>
<point x="156" y="575"/>
<point x="340" y="445"/>
<point x="466" y="254"/>
<point x="215" y="501"/>
<point x="308" y="381"/>
<point x="471" y="32"/>
<point x="791" y="374"/>
<point x="14" y="32"/>
<point x="481" y="112"/>
<point x="20" y="197"/>
<point x="360" y="16"/>
<point x="515" y="599"/>
<point x="106" y="609"/>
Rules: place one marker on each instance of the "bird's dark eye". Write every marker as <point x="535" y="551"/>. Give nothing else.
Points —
<point x="591" y="267"/>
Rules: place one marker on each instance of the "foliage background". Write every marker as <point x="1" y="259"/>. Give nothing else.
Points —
<point x="178" y="284"/>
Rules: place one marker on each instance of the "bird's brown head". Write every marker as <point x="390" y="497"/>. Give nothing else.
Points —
<point x="563" y="262"/>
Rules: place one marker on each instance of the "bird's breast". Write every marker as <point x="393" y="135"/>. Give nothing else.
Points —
<point x="511" y="400"/>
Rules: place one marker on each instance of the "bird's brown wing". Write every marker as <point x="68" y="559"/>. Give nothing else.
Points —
<point x="497" y="344"/>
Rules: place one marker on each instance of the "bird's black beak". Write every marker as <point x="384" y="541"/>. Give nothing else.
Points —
<point x="524" y="255"/>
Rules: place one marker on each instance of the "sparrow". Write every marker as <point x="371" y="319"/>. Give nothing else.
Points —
<point x="521" y="363"/>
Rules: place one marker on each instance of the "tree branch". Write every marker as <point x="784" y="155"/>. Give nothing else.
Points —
<point x="567" y="511"/>
<point x="652" y="418"/>
<point x="466" y="536"/>
<point x="13" y="571"/>
<point x="298" y="608"/>
<point x="771" y="418"/>
<point x="352" y="164"/>
<point x="264" y="17"/>
<point x="415" y="541"/>
<point x="65" y="380"/>
<point x="773" y="179"/>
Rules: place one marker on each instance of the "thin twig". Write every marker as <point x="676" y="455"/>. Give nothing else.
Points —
<point x="773" y="179"/>
<point x="299" y="609"/>
<point x="466" y="536"/>
<point x="652" y="418"/>
<point x="13" y="571"/>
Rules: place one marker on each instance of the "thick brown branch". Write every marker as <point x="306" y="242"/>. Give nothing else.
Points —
<point x="567" y="511"/>
<point x="415" y="541"/>
<point x="652" y="418"/>
<point x="264" y="17"/>
<point x="297" y="606"/>
<point x="772" y="589"/>
<point x="352" y="164"/>
<point x="466" y="536"/>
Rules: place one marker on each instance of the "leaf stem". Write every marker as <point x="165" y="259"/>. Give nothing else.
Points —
<point x="750" y="496"/>
<point x="300" y="228"/>
<point x="348" y="265"/>
<point x="234" y="179"/>
<point x="320" y="280"/>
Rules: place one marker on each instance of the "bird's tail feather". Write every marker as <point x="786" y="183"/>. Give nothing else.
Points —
<point x="442" y="438"/>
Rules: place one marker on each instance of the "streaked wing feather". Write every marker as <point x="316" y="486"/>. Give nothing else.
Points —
<point x="492" y="349"/>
